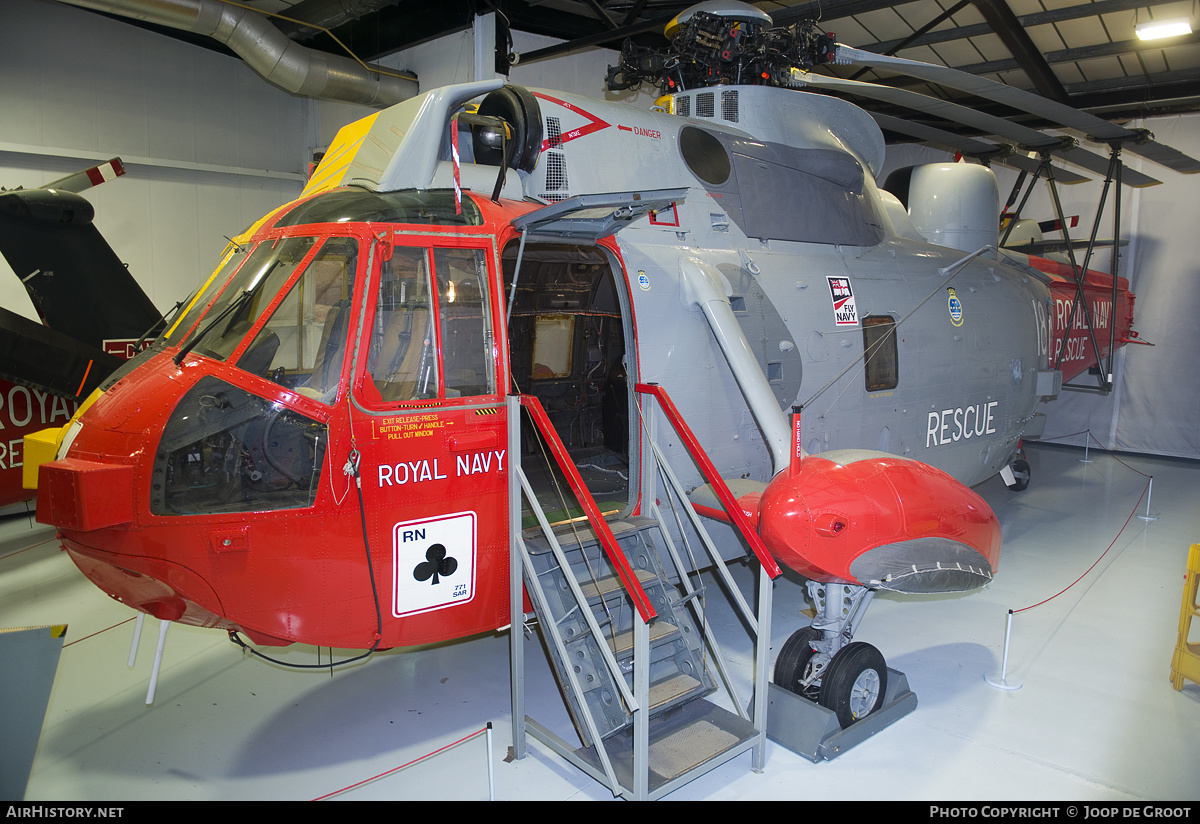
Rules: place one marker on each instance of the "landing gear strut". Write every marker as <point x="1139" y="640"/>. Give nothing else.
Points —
<point x="820" y="663"/>
<point x="830" y="692"/>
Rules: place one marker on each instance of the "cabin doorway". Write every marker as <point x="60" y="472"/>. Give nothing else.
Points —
<point x="569" y="337"/>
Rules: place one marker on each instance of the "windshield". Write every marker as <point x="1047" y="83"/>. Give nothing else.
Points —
<point x="303" y="344"/>
<point x="249" y="293"/>
<point x="197" y="304"/>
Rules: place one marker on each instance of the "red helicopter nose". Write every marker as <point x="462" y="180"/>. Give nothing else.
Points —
<point x="881" y="521"/>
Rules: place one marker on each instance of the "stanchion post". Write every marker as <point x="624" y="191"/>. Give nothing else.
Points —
<point x="1003" y="682"/>
<point x="491" y="765"/>
<point x="1149" y="493"/>
<point x="158" y="654"/>
<point x="137" y="638"/>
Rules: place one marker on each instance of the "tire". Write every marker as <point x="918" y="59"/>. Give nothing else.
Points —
<point x="854" y="683"/>
<point x="520" y="109"/>
<point x="793" y="659"/>
<point x="1021" y="473"/>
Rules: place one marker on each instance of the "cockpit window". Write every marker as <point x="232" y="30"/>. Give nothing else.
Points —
<point x="429" y="207"/>
<point x="403" y="360"/>
<point x="431" y="336"/>
<point x="249" y="293"/>
<point x="303" y="344"/>
<point x="196" y="306"/>
<point x="465" y="324"/>
<point x="226" y="450"/>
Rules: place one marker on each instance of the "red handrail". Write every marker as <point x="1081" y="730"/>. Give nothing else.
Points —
<point x="607" y="540"/>
<point x="724" y="495"/>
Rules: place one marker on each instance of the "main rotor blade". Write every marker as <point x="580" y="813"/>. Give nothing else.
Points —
<point x="972" y="147"/>
<point x="987" y="123"/>
<point x="81" y="181"/>
<point x="1044" y="247"/>
<point x="1139" y="142"/>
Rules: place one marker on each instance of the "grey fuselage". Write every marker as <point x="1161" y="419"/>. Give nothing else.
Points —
<point x="782" y="214"/>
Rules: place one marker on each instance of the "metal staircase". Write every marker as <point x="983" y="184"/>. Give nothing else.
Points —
<point x="622" y="615"/>
<point x="588" y="586"/>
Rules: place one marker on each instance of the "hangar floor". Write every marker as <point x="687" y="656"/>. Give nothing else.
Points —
<point x="1096" y="717"/>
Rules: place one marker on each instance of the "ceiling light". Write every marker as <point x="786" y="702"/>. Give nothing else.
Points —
<point x="1157" y="29"/>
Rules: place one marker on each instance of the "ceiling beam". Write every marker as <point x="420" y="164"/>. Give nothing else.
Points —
<point x="1027" y="21"/>
<point x="1081" y="53"/>
<point x="1006" y="26"/>
<point x="610" y="38"/>
<point x="399" y="26"/>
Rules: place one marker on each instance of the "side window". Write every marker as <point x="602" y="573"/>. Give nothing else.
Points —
<point x="431" y="336"/>
<point x="882" y="357"/>
<point x="303" y="343"/>
<point x="403" y="359"/>
<point x="465" y="322"/>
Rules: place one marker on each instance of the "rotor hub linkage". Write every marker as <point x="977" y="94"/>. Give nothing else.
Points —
<point x="710" y="50"/>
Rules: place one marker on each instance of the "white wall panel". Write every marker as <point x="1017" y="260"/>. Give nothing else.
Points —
<point x="197" y="129"/>
<point x="77" y="80"/>
<point x="583" y="72"/>
<point x="1160" y="402"/>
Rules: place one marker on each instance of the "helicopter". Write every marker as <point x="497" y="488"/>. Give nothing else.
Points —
<point x="318" y="449"/>
<point x="93" y="314"/>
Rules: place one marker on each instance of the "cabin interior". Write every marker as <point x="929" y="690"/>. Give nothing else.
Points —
<point x="567" y="341"/>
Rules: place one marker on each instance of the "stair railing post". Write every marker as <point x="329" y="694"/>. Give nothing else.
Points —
<point x="762" y="648"/>
<point x="649" y="438"/>
<point x="516" y="597"/>
<point x="596" y="520"/>
<point x="641" y="715"/>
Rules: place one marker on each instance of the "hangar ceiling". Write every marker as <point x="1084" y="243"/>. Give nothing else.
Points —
<point x="1081" y="53"/>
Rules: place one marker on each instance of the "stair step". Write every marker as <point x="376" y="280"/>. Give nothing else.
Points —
<point x="670" y="689"/>
<point x="611" y="584"/>
<point x="582" y="534"/>
<point x="680" y="741"/>
<point x="623" y="642"/>
<point x="676" y="664"/>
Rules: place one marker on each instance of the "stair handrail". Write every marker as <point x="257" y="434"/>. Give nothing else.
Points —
<point x="608" y="541"/>
<point x="724" y="494"/>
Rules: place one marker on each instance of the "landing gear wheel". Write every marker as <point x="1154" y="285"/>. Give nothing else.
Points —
<point x="1021" y="472"/>
<point x="792" y="663"/>
<point x="854" y="683"/>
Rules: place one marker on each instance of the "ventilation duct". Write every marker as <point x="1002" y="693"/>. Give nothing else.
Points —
<point x="290" y="66"/>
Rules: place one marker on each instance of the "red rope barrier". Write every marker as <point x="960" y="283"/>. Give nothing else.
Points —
<point x="1098" y="560"/>
<point x="402" y="766"/>
<point x="1090" y="439"/>
<point x="27" y="548"/>
<point x="98" y="632"/>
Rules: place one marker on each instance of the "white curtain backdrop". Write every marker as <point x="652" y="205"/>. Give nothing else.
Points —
<point x="1157" y="407"/>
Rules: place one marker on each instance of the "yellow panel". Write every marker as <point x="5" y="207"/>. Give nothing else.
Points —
<point x="1185" y="663"/>
<point x="332" y="169"/>
<point x="40" y="448"/>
